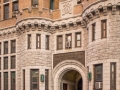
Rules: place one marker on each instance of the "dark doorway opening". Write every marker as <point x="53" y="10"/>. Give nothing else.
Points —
<point x="80" y="84"/>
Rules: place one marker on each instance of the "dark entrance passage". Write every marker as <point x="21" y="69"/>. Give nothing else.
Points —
<point x="80" y="83"/>
<point x="72" y="80"/>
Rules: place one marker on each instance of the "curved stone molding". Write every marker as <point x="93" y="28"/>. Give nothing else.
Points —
<point x="65" y="66"/>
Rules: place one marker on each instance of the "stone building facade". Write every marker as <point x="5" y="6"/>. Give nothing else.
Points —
<point x="59" y="45"/>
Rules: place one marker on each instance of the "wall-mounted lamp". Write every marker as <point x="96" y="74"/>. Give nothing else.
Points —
<point x="42" y="77"/>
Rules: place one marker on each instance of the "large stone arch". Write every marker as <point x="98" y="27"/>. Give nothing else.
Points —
<point x="66" y="66"/>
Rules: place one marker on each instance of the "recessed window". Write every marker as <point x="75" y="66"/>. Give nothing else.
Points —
<point x="6" y="47"/>
<point x="47" y="42"/>
<point x="6" y="11"/>
<point x="113" y="76"/>
<point x="0" y="80"/>
<point x="0" y="63"/>
<point x="59" y="42"/>
<point x="5" y="62"/>
<point x="13" y="62"/>
<point x="68" y="43"/>
<point x="29" y="41"/>
<point x="13" y="80"/>
<point x="46" y="79"/>
<point x="38" y="41"/>
<point x="23" y="79"/>
<point x="52" y="4"/>
<point x="5" y="80"/>
<point x="34" y="79"/>
<point x="0" y="48"/>
<point x="77" y="39"/>
<point x="13" y="46"/>
<point x="103" y="28"/>
<point x="6" y="1"/>
<point x="34" y="3"/>
<point x="98" y="76"/>
<point x="93" y="32"/>
<point x="15" y="6"/>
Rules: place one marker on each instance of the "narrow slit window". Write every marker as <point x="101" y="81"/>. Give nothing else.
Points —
<point x="103" y="28"/>
<point x="47" y="42"/>
<point x="78" y="39"/>
<point x="59" y="42"/>
<point x="29" y="41"/>
<point x="93" y="32"/>
<point x="113" y="76"/>
<point x="38" y="41"/>
<point x="6" y="47"/>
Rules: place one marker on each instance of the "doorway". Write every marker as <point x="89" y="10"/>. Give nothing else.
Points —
<point x="72" y="80"/>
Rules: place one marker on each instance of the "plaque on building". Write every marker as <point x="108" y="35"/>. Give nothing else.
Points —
<point x="77" y="56"/>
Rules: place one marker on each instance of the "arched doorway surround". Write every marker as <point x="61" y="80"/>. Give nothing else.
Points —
<point x="66" y="66"/>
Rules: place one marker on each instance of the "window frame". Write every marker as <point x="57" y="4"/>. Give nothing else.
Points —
<point x="103" y="28"/>
<point x="5" y="63"/>
<point x="38" y="43"/>
<point x="78" y="40"/>
<point x="59" y="36"/>
<point x="34" y="5"/>
<point x="29" y="41"/>
<point x="31" y="77"/>
<point x="6" y="12"/>
<point x="93" y="31"/>
<point x="12" y="62"/>
<point x="113" y="81"/>
<point x="13" y="7"/>
<point x="13" y="85"/>
<point x="66" y="40"/>
<point x="47" y="79"/>
<point x="13" y="49"/>
<point x="6" y="81"/>
<point x="47" y="42"/>
<point x="6" y="48"/>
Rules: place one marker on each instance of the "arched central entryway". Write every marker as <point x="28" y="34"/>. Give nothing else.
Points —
<point x="69" y="75"/>
<point x="71" y="80"/>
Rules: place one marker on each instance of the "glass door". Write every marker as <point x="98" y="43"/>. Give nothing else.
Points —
<point x="34" y="79"/>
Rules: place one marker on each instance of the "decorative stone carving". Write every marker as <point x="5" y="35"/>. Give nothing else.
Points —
<point x="67" y="8"/>
<point x="104" y="10"/>
<point x="75" y="25"/>
<point x="90" y="16"/>
<point x="27" y="28"/>
<point x="97" y="13"/>
<point x="83" y="24"/>
<point x="67" y="27"/>
<point x="39" y="27"/>
<point x="46" y="28"/>
<point x="113" y="9"/>
<point x="52" y="29"/>
<point x="33" y="27"/>
<point x="86" y="19"/>
<point x="60" y="28"/>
